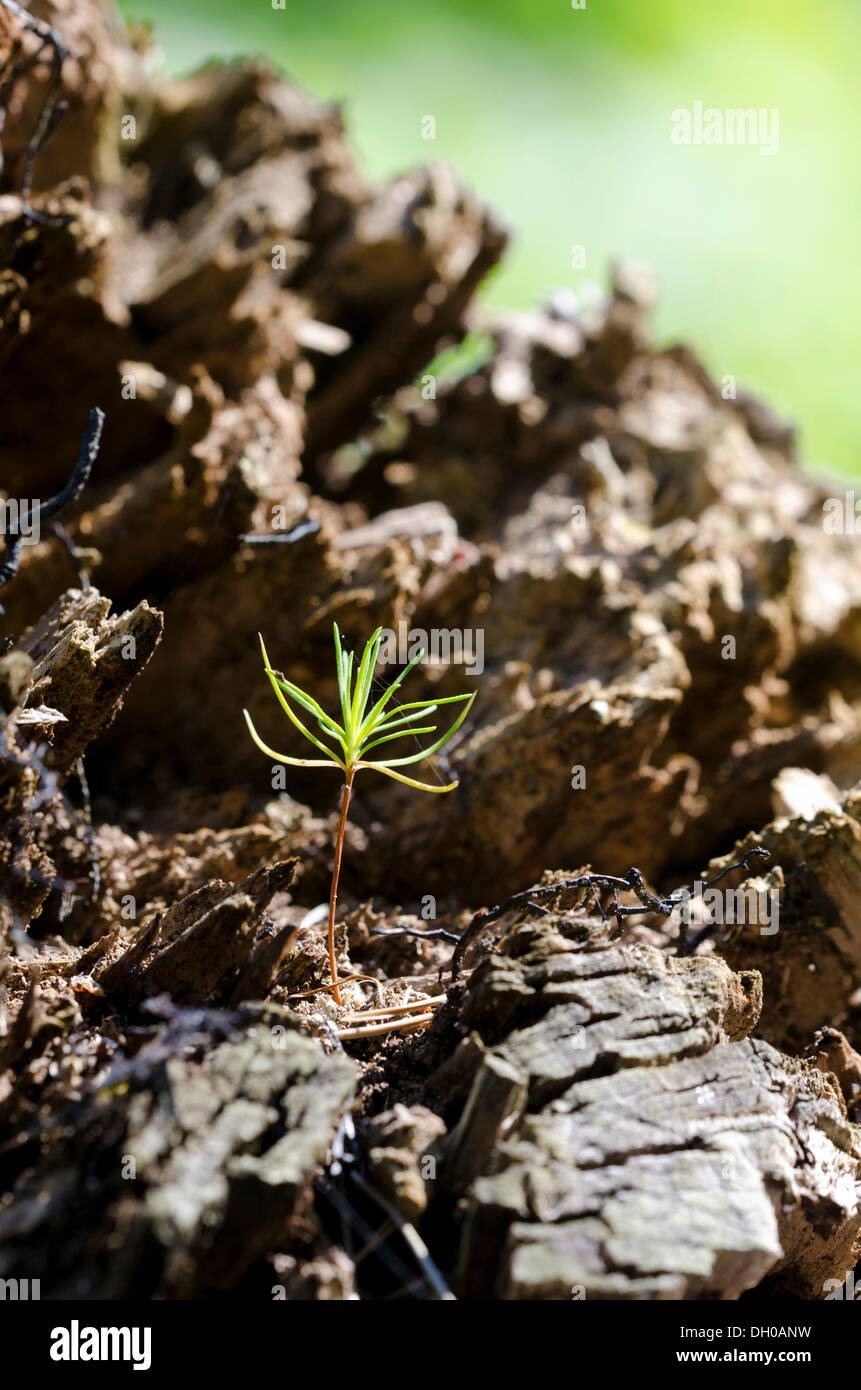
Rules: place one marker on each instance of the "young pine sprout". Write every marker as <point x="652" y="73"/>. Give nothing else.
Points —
<point x="361" y="730"/>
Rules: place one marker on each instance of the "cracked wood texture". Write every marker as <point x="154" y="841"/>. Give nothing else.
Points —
<point x="627" y="1138"/>
<point x="185" y="1165"/>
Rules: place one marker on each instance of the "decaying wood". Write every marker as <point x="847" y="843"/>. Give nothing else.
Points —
<point x="626" y="1137"/>
<point x="83" y="659"/>
<point x="204" y="949"/>
<point x="811" y="966"/>
<point x="640" y="568"/>
<point x="86" y="660"/>
<point x="203" y="1147"/>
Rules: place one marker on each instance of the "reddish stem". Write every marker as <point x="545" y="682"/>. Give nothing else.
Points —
<point x="336" y="870"/>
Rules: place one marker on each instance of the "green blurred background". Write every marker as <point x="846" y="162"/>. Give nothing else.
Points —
<point x="561" y="118"/>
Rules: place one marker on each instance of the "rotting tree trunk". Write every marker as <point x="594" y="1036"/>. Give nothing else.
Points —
<point x="603" y="1116"/>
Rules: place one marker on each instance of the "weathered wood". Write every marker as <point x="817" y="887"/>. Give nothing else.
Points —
<point x="83" y="659"/>
<point x="205" y="948"/>
<point x="204" y="1146"/>
<point x="811" y="965"/>
<point x="627" y="1138"/>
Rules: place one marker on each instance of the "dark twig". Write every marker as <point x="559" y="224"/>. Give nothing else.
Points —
<point x="304" y="528"/>
<point x="49" y="50"/>
<point x="348" y="1214"/>
<point x="87" y="455"/>
<point x="51" y="44"/>
<point x="415" y="931"/>
<point x="411" y="1239"/>
<point x="633" y="882"/>
<point x="345" y="1171"/>
<point x="77" y="556"/>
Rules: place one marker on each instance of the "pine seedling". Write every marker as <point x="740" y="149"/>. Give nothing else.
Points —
<point x="361" y="730"/>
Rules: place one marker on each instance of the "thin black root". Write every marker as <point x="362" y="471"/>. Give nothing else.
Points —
<point x="438" y="933"/>
<point x="87" y="456"/>
<point x="50" y="51"/>
<point x="591" y="885"/>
